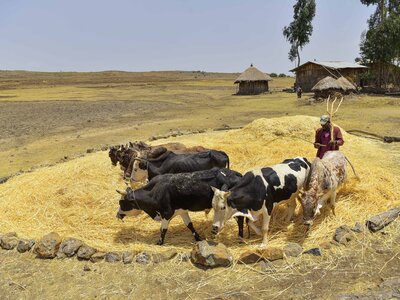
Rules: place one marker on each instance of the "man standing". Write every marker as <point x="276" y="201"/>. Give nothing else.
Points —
<point x="299" y="92"/>
<point x="323" y="141"/>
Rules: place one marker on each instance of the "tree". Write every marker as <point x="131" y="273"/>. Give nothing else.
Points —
<point x="300" y="29"/>
<point x="380" y="44"/>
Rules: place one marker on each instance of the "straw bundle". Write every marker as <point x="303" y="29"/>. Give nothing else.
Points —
<point x="78" y="198"/>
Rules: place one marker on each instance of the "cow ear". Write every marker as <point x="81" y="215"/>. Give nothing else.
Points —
<point x="214" y="189"/>
<point x="227" y="194"/>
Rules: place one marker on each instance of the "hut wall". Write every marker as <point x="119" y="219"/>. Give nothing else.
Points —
<point x="310" y="74"/>
<point x="252" y="87"/>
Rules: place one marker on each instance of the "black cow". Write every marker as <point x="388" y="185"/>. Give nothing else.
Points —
<point x="170" y="162"/>
<point x="168" y="195"/>
<point x="258" y="191"/>
<point x="113" y="154"/>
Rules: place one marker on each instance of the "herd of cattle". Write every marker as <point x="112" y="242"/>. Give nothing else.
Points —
<point x="181" y="179"/>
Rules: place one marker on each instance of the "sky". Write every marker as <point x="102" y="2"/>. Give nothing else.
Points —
<point x="155" y="35"/>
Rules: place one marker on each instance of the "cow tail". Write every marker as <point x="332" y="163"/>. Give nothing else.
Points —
<point x="354" y="171"/>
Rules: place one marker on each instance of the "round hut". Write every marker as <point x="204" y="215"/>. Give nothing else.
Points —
<point x="327" y="86"/>
<point x="347" y="86"/>
<point x="252" y="82"/>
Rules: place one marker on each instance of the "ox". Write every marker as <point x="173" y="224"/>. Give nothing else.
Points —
<point x="112" y="153"/>
<point x="326" y="175"/>
<point x="257" y="193"/>
<point x="169" y="195"/>
<point x="152" y="152"/>
<point x="170" y="162"/>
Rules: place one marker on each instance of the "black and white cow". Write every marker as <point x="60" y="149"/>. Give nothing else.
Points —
<point x="170" y="162"/>
<point x="168" y="195"/>
<point x="258" y="191"/>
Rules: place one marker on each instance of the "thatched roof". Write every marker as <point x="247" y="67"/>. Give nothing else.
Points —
<point x="346" y="84"/>
<point x="327" y="83"/>
<point x="253" y="74"/>
<point x="334" y="65"/>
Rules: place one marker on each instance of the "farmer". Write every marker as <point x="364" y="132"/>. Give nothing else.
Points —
<point x="323" y="141"/>
<point x="299" y="92"/>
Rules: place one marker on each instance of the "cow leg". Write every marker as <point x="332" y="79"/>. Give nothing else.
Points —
<point x="188" y="222"/>
<point x="240" y="222"/>
<point x="291" y="207"/>
<point x="164" y="228"/>
<point x="265" y="225"/>
<point x="254" y="227"/>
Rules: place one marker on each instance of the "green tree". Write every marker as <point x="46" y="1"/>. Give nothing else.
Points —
<point x="300" y="29"/>
<point x="380" y="44"/>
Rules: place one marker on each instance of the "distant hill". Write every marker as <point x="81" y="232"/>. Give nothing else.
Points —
<point x="13" y="79"/>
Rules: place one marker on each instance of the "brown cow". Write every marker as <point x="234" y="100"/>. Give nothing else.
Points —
<point x="327" y="174"/>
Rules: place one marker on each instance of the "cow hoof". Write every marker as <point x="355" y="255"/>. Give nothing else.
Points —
<point x="160" y="243"/>
<point x="241" y="240"/>
<point x="262" y="246"/>
<point x="197" y="238"/>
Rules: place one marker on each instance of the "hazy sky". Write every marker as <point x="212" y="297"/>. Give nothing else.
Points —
<point x="149" y="35"/>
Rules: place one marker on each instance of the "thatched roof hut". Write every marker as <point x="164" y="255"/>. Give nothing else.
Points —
<point x="327" y="86"/>
<point x="311" y="72"/>
<point x="252" y="82"/>
<point x="347" y="86"/>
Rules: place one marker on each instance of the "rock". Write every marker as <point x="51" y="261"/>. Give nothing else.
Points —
<point x="98" y="256"/>
<point x="11" y="234"/>
<point x="250" y="257"/>
<point x="48" y="246"/>
<point x="70" y="246"/>
<point x="127" y="257"/>
<point x="210" y="254"/>
<point x="326" y="245"/>
<point x="25" y="245"/>
<point x="143" y="258"/>
<point x="86" y="268"/>
<point x="104" y="148"/>
<point x="381" y="250"/>
<point x="292" y="249"/>
<point x="112" y="257"/>
<point x="152" y="138"/>
<point x="90" y="150"/>
<point x="8" y="242"/>
<point x="390" y="282"/>
<point x="343" y="234"/>
<point x="4" y="179"/>
<point x="272" y="253"/>
<point x="184" y="256"/>
<point x="314" y="251"/>
<point x="358" y="228"/>
<point x="381" y="220"/>
<point x="164" y="256"/>
<point x="85" y="252"/>
<point x="266" y="266"/>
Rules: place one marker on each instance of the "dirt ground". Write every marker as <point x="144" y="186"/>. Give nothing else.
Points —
<point x="46" y="117"/>
<point x="368" y="268"/>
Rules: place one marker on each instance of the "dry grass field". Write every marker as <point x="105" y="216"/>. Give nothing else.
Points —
<point x="45" y="117"/>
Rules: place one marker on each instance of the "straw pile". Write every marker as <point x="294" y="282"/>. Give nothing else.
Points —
<point x="78" y="198"/>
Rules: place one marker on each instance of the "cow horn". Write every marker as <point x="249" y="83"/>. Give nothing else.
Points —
<point x="126" y="183"/>
<point x="123" y="193"/>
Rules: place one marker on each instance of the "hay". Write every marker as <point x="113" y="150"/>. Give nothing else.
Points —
<point x="78" y="198"/>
